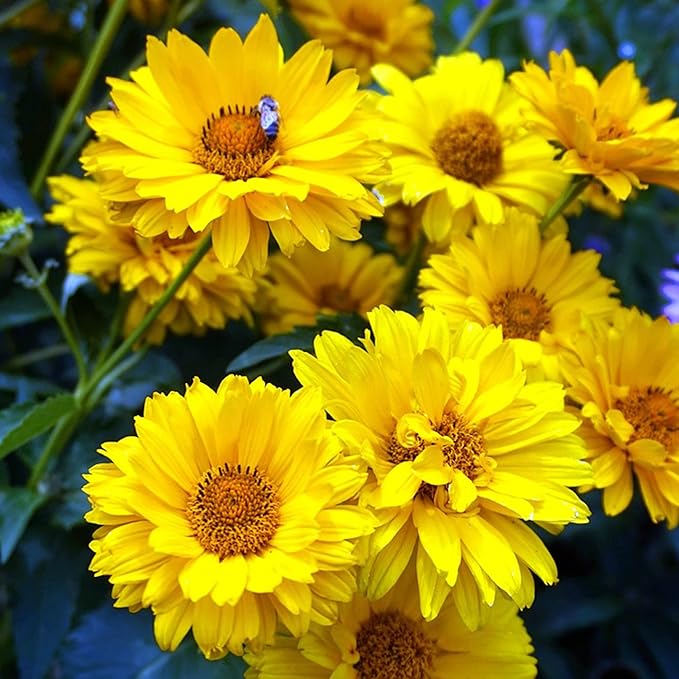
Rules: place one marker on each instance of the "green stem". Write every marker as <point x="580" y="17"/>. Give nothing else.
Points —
<point x="36" y="356"/>
<point x="203" y="247"/>
<point x="15" y="10"/>
<point x="570" y="193"/>
<point x="97" y="56"/>
<point x="114" y="330"/>
<point x="53" y="306"/>
<point x="476" y="26"/>
<point x="411" y="269"/>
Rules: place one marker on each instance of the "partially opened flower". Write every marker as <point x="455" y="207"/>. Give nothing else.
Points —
<point x="608" y="130"/>
<point x="362" y="34"/>
<point x="536" y="289"/>
<point x="462" y="452"/>
<point x="111" y="252"/>
<point x="459" y="145"/>
<point x="240" y="141"/>
<point x="350" y="277"/>
<point x="627" y="382"/>
<point x="226" y="513"/>
<point x="388" y="639"/>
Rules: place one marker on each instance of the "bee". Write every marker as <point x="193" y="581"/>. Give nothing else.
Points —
<point x="269" y="117"/>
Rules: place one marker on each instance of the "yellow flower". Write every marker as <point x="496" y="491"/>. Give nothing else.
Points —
<point x="389" y="639"/>
<point x="462" y="453"/>
<point x="239" y="140"/>
<point x="458" y="144"/>
<point x="627" y="381"/>
<point x="112" y="253"/>
<point x="607" y="130"/>
<point x="362" y="34"/>
<point x="227" y="513"/>
<point x="536" y="289"/>
<point x="350" y="277"/>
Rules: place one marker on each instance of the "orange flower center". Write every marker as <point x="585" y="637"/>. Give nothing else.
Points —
<point x="393" y="645"/>
<point x="522" y="312"/>
<point x="234" y="511"/>
<point x="653" y="414"/>
<point x="363" y="19"/>
<point x="234" y="144"/>
<point x="469" y="147"/>
<point x="463" y="453"/>
<point x="610" y="127"/>
<point x="334" y="297"/>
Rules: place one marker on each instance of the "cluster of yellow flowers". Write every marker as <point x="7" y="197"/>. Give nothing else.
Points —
<point x="377" y="521"/>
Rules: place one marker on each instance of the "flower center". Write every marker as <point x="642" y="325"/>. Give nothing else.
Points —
<point x="469" y="147"/>
<point x="522" y="312"/>
<point x="362" y="19"/>
<point x="463" y="453"/>
<point x="334" y="297"/>
<point x="653" y="414"/>
<point x="610" y="127"/>
<point x="392" y="646"/>
<point x="234" y="144"/>
<point x="234" y="511"/>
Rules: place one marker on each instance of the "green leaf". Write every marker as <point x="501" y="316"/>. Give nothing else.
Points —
<point x="23" y="422"/>
<point x="21" y="306"/>
<point x="17" y="505"/>
<point x="278" y="346"/>
<point x="93" y="650"/>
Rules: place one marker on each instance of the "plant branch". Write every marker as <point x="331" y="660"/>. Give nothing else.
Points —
<point x="570" y="193"/>
<point x="481" y="19"/>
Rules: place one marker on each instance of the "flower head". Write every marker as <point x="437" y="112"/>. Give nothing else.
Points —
<point x="536" y="289"/>
<point x="627" y="382"/>
<point x="608" y="130"/>
<point x="362" y="34"/>
<point x="462" y="453"/>
<point x="227" y="512"/>
<point x="389" y="638"/>
<point x="112" y="252"/>
<point x="240" y="141"/>
<point x="350" y="277"/>
<point x="459" y="144"/>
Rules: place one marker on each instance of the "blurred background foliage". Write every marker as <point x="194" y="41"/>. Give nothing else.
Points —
<point x="615" y="612"/>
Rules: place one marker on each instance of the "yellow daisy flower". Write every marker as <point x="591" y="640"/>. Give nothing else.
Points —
<point x="608" y="130"/>
<point x="462" y="453"/>
<point x="536" y="289"/>
<point x="113" y="253"/>
<point x="389" y="639"/>
<point x="227" y="513"/>
<point x="350" y="277"/>
<point x="461" y="147"/>
<point x="627" y="381"/>
<point x="239" y="140"/>
<point x="362" y="34"/>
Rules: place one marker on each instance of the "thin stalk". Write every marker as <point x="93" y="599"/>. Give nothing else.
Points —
<point x="481" y="19"/>
<point x="56" y="441"/>
<point x="82" y="90"/>
<point x="100" y="373"/>
<point x="53" y="306"/>
<point x="14" y="11"/>
<point x="31" y="357"/>
<point x="114" y="330"/>
<point x="570" y="193"/>
<point x="411" y="269"/>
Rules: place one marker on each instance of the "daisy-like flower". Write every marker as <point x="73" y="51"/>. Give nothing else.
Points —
<point x="462" y="452"/>
<point x="239" y="140"/>
<point x="389" y="639"/>
<point x="670" y="290"/>
<point x="536" y="289"/>
<point x="362" y="34"/>
<point x="226" y="513"/>
<point x="459" y="144"/>
<point x="627" y="381"/>
<point x="608" y="130"/>
<point x="350" y="277"/>
<point x="113" y="253"/>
